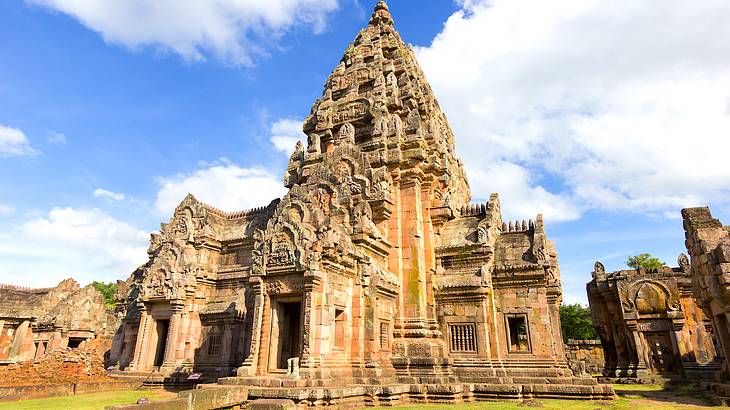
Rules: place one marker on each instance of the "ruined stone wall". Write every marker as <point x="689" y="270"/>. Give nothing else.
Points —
<point x="649" y="323"/>
<point x="708" y="245"/>
<point x="36" y="321"/>
<point x="585" y="356"/>
<point x="85" y="363"/>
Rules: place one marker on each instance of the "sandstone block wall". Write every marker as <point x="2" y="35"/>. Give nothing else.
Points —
<point x="585" y="356"/>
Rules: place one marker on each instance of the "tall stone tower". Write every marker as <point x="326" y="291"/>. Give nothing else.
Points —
<point x="379" y="115"/>
<point x="373" y="271"/>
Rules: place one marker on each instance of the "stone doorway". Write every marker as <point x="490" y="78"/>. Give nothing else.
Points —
<point x="162" y="327"/>
<point x="661" y="353"/>
<point x="285" y="333"/>
<point x="722" y="332"/>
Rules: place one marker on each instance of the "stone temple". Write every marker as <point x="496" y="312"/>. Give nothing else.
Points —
<point x="374" y="279"/>
<point x="650" y="325"/>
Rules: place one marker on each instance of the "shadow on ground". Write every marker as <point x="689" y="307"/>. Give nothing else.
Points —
<point x="670" y="393"/>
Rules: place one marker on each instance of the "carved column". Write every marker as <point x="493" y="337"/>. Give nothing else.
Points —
<point x="172" y="336"/>
<point x="642" y="369"/>
<point x="248" y="367"/>
<point x="143" y="334"/>
<point x="307" y="333"/>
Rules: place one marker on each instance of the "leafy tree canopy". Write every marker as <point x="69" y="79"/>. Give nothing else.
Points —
<point x="108" y="290"/>
<point x="576" y="323"/>
<point x="644" y="261"/>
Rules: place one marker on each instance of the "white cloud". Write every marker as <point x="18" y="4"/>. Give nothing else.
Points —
<point x="607" y="105"/>
<point x="285" y="133"/>
<point x="6" y="209"/>
<point x="226" y="186"/>
<point x="56" y="138"/>
<point x="108" y="195"/>
<point x="231" y="30"/>
<point x="87" y="244"/>
<point x="13" y="142"/>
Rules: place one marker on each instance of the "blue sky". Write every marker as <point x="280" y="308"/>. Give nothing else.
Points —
<point x="608" y="118"/>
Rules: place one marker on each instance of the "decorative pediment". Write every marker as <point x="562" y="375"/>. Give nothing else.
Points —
<point x="648" y="297"/>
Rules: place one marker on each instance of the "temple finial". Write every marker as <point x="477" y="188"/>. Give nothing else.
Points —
<point x="381" y="14"/>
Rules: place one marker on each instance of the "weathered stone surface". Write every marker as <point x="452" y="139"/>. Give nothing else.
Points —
<point x="83" y="364"/>
<point x="708" y="245"/>
<point x="35" y="322"/>
<point x="272" y="404"/>
<point x="650" y="325"/>
<point x="585" y="356"/>
<point x="373" y="270"/>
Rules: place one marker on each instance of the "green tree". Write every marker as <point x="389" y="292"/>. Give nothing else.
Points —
<point x="576" y="323"/>
<point x="106" y="289"/>
<point x="644" y="261"/>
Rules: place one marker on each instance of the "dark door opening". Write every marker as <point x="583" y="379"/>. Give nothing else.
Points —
<point x="722" y="334"/>
<point x="74" y="342"/>
<point x="518" y="338"/>
<point x="289" y="343"/>
<point x="661" y="353"/>
<point x="162" y="328"/>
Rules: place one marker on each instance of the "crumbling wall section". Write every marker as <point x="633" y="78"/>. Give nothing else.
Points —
<point x="585" y="356"/>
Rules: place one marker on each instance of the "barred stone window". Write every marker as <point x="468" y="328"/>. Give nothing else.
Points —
<point x="384" y="335"/>
<point x="463" y="337"/>
<point x="215" y="343"/>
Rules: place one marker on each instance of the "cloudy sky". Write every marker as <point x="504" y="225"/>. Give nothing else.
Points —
<point x="606" y="116"/>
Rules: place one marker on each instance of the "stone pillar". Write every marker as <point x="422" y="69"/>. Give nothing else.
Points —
<point x="308" y="339"/>
<point x="675" y="335"/>
<point x="143" y="334"/>
<point x="419" y="354"/>
<point x="22" y="347"/>
<point x="170" y="358"/>
<point x="642" y="370"/>
<point x="556" y="336"/>
<point x="248" y="367"/>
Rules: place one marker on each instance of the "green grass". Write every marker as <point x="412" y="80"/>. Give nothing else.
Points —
<point x="639" y="387"/>
<point x="619" y="404"/>
<point x="630" y="397"/>
<point x="93" y="401"/>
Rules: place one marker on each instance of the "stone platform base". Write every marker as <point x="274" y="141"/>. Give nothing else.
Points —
<point x="155" y="380"/>
<point x="720" y="392"/>
<point x="234" y="393"/>
<point x="651" y="379"/>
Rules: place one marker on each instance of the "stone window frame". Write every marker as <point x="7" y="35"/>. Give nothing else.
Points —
<point x="339" y="322"/>
<point x="523" y="316"/>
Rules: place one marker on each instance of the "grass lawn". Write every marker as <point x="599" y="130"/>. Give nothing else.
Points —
<point x="93" y="401"/>
<point x="630" y="397"/>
